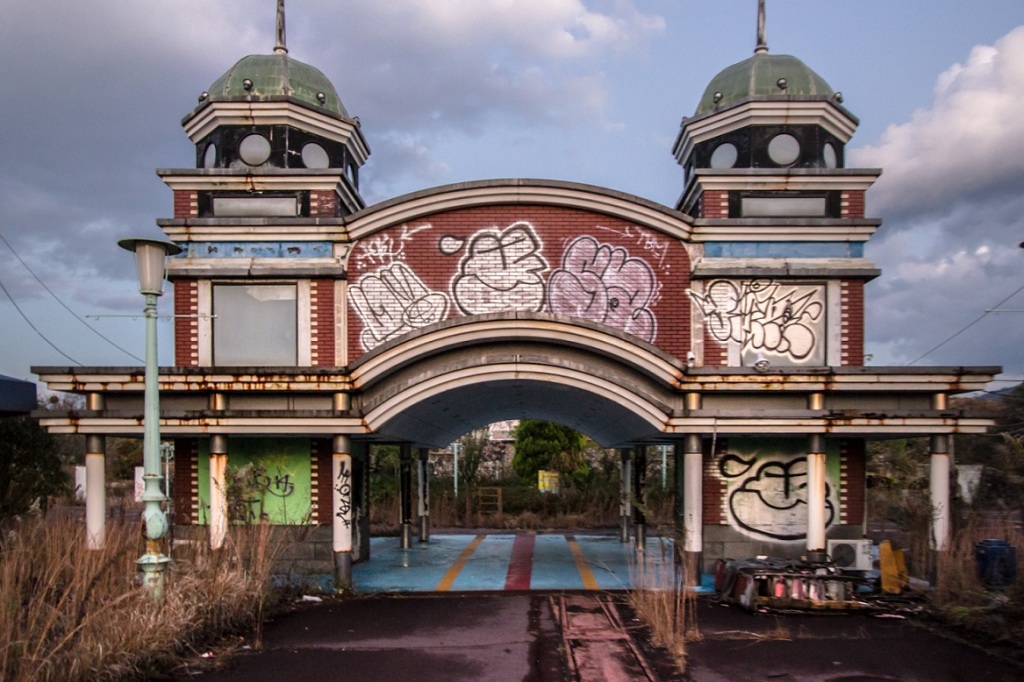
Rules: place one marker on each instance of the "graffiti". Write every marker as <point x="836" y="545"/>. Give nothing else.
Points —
<point x="765" y="316"/>
<point x="603" y="283"/>
<point x="768" y="496"/>
<point x="391" y="301"/>
<point x="500" y="271"/>
<point x="646" y="240"/>
<point x="343" y="488"/>
<point x="278" y="485"/>
<point x="382" y="250"/>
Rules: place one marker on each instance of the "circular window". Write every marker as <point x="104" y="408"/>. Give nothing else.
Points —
<point x="315" y="156"/>
<point x="784" y="149"/>
<point x="254" y="149"/>
<point x="828" y="155"/>
<point x="210" y="156"/>
<point x="724" y="155"/>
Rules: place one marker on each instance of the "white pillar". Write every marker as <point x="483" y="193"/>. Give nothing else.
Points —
<point x="218" y="491"/>
<point x="940" y="493"/>
<point x="341" y="507"/>
<point x="95" y="492"/>
<point x="816" y="502"/>
<point x="693" y="497"/>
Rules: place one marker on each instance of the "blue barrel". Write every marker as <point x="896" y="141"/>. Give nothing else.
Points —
<point x="996" y="562"/>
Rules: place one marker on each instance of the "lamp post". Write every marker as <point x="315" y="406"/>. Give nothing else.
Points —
<point x="150" y="257"/>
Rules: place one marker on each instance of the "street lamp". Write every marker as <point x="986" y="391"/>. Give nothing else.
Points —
<point x="150" y="257"/>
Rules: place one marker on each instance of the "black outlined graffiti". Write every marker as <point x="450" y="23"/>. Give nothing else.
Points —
<point x="765" y="316"/>
<point x="278" y="485"/>
<point x="500" y="271"/>
<point x="605" y="284"/>
<point x="768" y="496"/>
<point x="391" y="301"/>
<point x="343" y="488"/>
<point x="382" y="249"/>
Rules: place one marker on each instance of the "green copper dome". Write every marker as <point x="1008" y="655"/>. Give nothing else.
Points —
<point x="759" y="77"/>
<point x="276" y="77"/>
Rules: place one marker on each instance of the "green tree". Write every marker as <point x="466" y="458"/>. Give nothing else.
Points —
<point x="545" y="445"/>
<point x="31" y="465"/>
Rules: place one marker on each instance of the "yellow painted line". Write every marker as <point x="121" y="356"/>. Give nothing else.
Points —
<point x="459" y="564"/>
<point x="582" y="565"/>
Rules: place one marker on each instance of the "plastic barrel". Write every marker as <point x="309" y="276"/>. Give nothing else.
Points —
<point x="996" y="562"/>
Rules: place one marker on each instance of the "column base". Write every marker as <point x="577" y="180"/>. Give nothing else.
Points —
<point x="640" y="532"/>
<point x="342" y="570"/>
<point x="693" y="563"/>
<point x="406" y="538"/>
<point x="424" y="529"/>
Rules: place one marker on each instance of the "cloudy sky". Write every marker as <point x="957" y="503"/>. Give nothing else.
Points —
<point x="92" y="94"/>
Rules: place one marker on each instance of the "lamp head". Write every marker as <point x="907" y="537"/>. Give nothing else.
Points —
<point x="150" y="255"/>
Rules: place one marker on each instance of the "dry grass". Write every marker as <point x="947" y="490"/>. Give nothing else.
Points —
<point x="73" y="614"/>
<point x="663" y="603"/>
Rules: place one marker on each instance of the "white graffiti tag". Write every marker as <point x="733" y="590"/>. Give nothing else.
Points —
<point x="765" y="316"/>
<point x="603" y="283"/>
<point x="500" y="271"/>
<point x="392" y="301"/>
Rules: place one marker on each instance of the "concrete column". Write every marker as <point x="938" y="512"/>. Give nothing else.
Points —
<point x="816" y="502"/>
<point x="625" y="505"/>
<point x="95" y="492"/>
<point x="940" y="529"/>
<point x="639" y="481"/>
<point x="341" y="508"/>
<point x="218" y="491"/>
<point x="405" y="484"/>
<point x="423" y="479"/>
<point x="693" y="508"/>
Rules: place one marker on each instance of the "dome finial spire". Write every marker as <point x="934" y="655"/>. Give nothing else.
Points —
<point x="279" y="46"/>
<point x="762" y="43"/>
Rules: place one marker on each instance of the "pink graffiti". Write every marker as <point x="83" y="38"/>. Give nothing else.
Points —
<point x="603" y="283"/>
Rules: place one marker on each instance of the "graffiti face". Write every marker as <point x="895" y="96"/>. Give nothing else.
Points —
<point x="602" y="283"/>
<point x="500" y="271"/>
<point x="766" y="318"/>
<point x="768" y="495"/>
<point x="391" y="301"/>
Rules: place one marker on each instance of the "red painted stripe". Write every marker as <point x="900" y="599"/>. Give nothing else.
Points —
<point x="520" y="567"/>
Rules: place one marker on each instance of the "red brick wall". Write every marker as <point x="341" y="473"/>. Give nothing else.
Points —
<point x="716" y="353"/>
<point x="851" y="204"/>
<point x="186" y="204"/>
<point x="714" y="204"/>
<point x="323" y="203"/>
<point x="186" y="325"/>
<point x="186" y="480"/>
<point x="852" y="471"/>
<point x="320" y="483"/>
<point x="429" y="260"/>
<point x="852" y="324"/>
<point x="321" y="323"/>
<point x="714" y="485"/>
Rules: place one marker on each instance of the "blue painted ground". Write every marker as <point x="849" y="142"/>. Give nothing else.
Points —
<point x="465" y="563"/>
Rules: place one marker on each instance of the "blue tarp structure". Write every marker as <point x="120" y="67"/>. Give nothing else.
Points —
<point x="16" y="396"/>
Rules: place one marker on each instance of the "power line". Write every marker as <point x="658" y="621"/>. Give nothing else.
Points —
<point x="965" y="328"/>
<point x="63" y="305"/>
<point x="34" y="328"/>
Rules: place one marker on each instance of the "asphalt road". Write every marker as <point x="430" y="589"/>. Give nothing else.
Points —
<point x="513" y="636"/>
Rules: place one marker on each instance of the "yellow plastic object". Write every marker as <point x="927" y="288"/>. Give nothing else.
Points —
<point x="893" y="567"/>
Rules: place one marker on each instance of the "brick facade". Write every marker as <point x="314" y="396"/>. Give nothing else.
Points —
<point x="186" y="481"/>
<point x="321" y="323"/>
<point x="323" y="203"/>
<point x="852" y="472"/>
<point x="320" y="482"/>
<point x="851" y="204"/>
<point x="714" y="204"/>
<point x="852" y="322"/>
<point x="186" y="324"/>
<point x="450" y="264"/>
<point x="714" y="485"/>
<point x="186" y="204"/>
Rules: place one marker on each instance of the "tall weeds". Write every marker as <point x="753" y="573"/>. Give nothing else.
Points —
<point x="662" y="601"/>
<point x="67" y="613"/>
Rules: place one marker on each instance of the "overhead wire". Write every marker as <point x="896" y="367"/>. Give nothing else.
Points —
<point x="966" y="327"/>
<point x="64" y="305"/>
<point x="34" y="328"/>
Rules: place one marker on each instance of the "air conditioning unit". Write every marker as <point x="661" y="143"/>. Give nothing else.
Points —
<point x="852" y="555"/>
